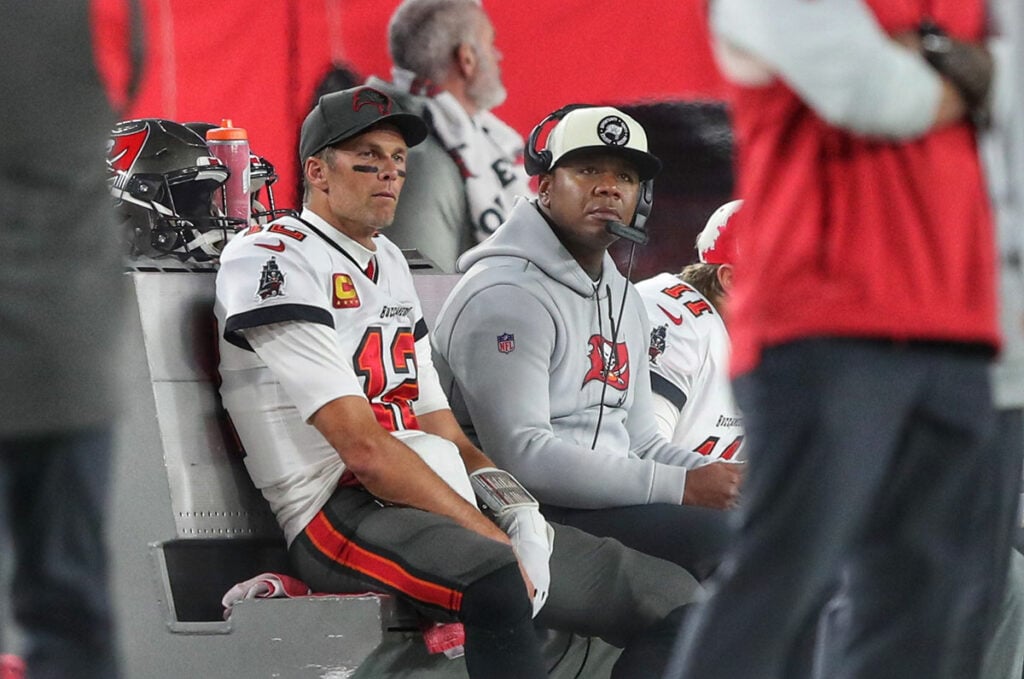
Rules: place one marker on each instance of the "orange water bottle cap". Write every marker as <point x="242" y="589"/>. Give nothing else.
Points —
<point x="226" y="131"/>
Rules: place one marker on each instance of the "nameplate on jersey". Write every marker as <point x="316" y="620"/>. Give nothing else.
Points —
<point x="345" y="294"/>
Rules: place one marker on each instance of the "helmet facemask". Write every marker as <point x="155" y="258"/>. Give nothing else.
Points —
<point x="163" y="179"/>
<point x="262" y="176"/>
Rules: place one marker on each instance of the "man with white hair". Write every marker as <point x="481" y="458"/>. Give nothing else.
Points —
<point x="469" y="170"/>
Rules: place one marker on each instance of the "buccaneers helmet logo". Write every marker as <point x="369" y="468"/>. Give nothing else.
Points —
<point x="608" y="363"/>
<point x="124" y="149"/>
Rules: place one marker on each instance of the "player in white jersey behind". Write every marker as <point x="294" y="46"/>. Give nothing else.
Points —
<point x="693" y="401"/>
<point x="328" y="378"/>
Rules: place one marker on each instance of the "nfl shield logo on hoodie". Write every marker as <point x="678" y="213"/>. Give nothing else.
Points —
<point x="506" y="343"/>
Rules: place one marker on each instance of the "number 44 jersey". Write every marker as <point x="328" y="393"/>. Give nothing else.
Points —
<point x="689" y="356"/>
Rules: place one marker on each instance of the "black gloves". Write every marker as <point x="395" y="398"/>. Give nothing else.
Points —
<point x="967" y="66"/>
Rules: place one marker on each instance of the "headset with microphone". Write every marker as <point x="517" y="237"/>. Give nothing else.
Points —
<point x="538" y="161"/>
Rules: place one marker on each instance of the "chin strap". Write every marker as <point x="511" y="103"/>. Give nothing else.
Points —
<point x="209" y="242"/>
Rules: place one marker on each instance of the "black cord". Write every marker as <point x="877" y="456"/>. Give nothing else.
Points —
<point x="615" y="337"/>
<point x="622" y="307"/>
<point x="586" y="654"/>
<point x="565" y="652"/>
<point x="604" y="372"/>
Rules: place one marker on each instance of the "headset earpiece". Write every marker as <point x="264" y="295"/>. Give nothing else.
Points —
<point x="538" y="161"/>
<point x="644" y="205"/>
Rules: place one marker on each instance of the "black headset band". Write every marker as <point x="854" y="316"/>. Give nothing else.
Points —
<point x="539" y="161"/>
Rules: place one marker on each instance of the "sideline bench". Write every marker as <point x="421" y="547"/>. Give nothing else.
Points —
<point x="187" y="523"/>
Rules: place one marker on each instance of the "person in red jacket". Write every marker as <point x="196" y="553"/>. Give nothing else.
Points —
<point x="863" y="326"/>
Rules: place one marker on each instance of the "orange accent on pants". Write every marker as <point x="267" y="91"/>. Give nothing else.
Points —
<point x="341" y="550"/>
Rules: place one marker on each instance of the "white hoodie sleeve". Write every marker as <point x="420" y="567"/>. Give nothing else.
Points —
<point x="835" y="56"/>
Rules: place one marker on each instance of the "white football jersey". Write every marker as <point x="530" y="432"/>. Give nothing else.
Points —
<point x="689" y="355"/>
<point x="297" y="270"/>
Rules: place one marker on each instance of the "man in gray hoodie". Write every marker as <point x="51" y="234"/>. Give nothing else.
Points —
<point x="543" y="344"/>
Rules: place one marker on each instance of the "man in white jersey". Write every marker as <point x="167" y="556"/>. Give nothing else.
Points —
<point x="692" y="397"/>
<point x="327" y="376"/>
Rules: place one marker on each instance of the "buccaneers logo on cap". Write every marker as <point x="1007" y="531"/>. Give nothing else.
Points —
<point x="607" y="363"/>
<point x="612" y="130"/>
<point x="368" y="96"/>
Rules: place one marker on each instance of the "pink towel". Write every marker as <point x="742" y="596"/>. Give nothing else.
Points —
<point x="264" y="586"/>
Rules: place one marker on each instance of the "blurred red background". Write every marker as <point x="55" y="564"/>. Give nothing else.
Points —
<point x="259" y="63"/>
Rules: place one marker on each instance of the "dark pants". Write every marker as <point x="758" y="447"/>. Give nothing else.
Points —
<point x="870" y="464"/>
<point x="53" y="497"/>
<point x="692" y="537"/>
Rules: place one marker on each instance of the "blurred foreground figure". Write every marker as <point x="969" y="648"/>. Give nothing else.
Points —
<point x="863" y="326"/>
<point x="61" y="289"/>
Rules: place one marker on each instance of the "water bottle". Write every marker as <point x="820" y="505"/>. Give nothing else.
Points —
<point x="231" y="146"/>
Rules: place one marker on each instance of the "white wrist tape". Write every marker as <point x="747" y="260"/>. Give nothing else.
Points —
<point x="499" y="491"/>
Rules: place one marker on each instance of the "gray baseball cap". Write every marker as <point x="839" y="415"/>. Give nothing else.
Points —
<point x="341" y="115"/>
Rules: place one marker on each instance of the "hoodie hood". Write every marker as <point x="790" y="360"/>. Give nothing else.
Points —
<point x="527" y="236"/>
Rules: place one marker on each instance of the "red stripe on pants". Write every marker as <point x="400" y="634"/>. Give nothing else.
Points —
<point x="340" y="549"/>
